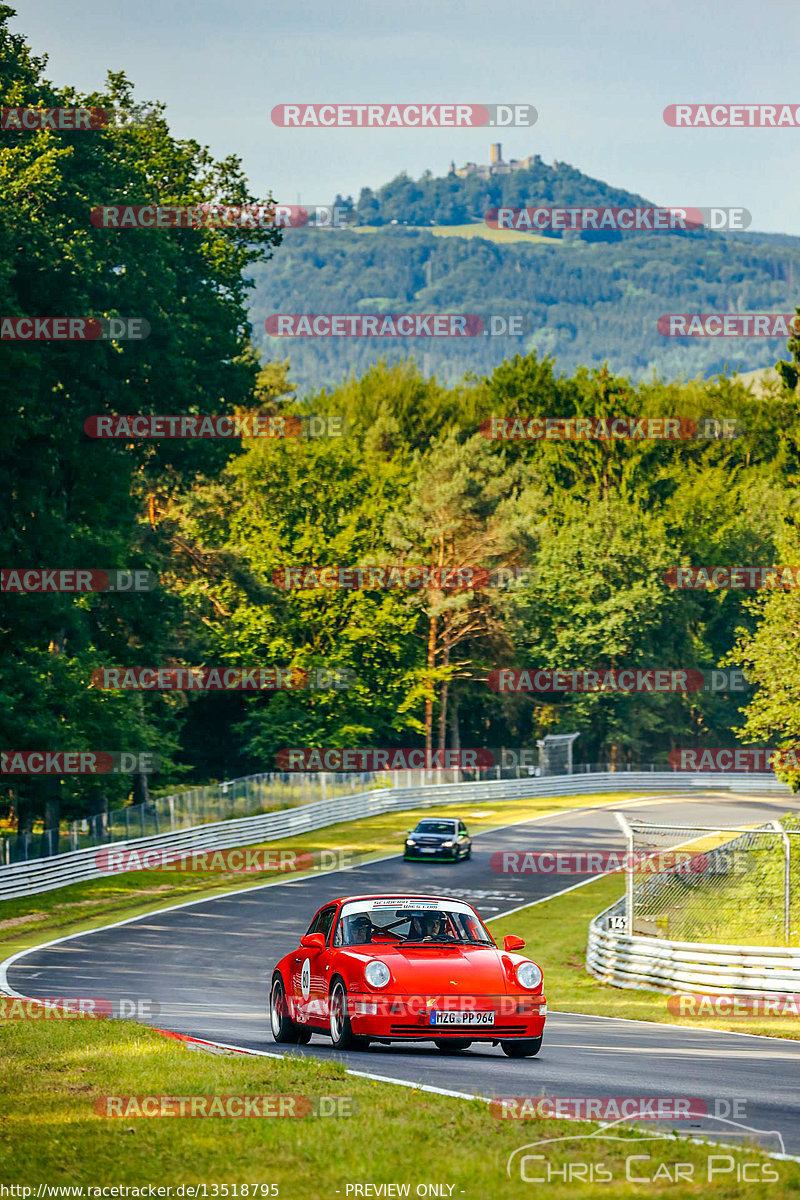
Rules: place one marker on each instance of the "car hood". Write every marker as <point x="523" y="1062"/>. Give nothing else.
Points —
<point x="455" y="970"/>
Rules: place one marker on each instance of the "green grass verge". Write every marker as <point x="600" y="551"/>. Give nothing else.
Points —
<point x="30" y="920"/>
<point x="54" y="1072"/>
<point x="555" y="933"/>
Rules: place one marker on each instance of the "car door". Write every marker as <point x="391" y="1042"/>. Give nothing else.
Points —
<point x="300" y="979"/>
<point x="315" y="971"/>
<point x="464" y="840"/>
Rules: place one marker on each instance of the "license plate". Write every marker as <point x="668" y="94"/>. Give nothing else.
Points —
<point x="462" y="1018"/>
<point x="427" y="849"/>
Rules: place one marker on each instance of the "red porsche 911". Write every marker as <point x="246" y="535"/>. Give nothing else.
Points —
<point x="407" y="968"/>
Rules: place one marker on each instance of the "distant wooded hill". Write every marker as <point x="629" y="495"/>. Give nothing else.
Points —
<point x="587" y="297"/>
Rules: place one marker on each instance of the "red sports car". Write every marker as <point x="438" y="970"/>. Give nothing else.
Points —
<point x="407" y="968"/>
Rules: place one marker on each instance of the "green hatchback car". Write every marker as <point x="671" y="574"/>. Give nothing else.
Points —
<point x="438" y="838"/>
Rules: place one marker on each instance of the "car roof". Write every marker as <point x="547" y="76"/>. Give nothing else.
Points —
<point x="452" y="820"/>
<point x="386" y="896"/>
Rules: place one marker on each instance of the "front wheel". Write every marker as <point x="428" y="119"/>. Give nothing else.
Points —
<point x="451" y="1045"/>
<point x="283" y="1027"/>
<point x="342" y="1034"/>
<point x="523" y="1048"/>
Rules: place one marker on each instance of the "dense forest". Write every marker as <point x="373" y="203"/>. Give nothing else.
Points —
<point x="583" y="303"/>
<point x="412" y="480"/>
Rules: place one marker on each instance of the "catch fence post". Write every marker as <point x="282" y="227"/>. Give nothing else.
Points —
<point x="787" y="886"/>
<point x="628" y="832"/>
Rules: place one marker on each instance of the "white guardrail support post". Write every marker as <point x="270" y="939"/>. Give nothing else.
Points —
<point x="628" y="832"/>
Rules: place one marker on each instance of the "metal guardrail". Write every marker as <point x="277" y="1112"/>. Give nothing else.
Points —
<point x="657" y="964"/>
<point x="226" y="800"/>
<point x="42" y="875"/>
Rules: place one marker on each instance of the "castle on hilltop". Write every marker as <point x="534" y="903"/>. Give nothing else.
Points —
<point x="495" y="166"/>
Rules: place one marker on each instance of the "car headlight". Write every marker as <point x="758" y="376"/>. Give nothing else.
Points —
<point x="448" y="845"/>
<point x="529" y="976"/>
<point x="410" y="842"/>
<point x="377" y="974"/>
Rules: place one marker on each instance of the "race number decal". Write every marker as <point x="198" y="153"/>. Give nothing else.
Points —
<point x="305" y="979"/>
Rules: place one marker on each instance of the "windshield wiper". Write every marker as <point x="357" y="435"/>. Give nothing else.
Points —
<point x="432" y="941"/>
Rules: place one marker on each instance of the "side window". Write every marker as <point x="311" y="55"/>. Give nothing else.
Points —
<point x="462" y="827"/>
<point x="314" y="926"/>
<point x="325" y="921"/>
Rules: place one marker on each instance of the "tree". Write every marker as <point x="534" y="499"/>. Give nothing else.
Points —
<point x="80" y="502"/>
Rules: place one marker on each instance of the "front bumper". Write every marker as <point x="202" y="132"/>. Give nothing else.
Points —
<point x="402" y="1018"/>
<point x="414" y="854"/>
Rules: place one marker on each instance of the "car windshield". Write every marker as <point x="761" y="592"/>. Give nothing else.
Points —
<point x="435" y="827"/>
<point x="401" y="922"/>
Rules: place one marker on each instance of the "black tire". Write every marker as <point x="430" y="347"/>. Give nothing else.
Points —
<point x="303" y="1035"/>
<point x="451" y="1045"/>
<point x="469" y="853"/>
<point x="523" y="1048"/>
<point x="283" y="1027"/>
<point x="342" y="1034"/>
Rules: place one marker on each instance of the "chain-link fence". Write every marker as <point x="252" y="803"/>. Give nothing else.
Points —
<point x="692" y="883"/>
<point x="224" y="801"/>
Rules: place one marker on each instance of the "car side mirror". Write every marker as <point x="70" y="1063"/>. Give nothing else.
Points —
<point x="512" y="942"/>
<point x="313" y="941"/>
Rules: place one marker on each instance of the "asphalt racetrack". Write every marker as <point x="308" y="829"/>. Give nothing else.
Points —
<point x="207" y="965"/>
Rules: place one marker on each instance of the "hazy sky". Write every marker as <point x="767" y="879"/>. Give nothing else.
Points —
<point x="599" y="75"/>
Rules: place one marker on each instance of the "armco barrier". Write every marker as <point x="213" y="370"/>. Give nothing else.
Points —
<point x="659" y="965"/>
<point x="43" y="875"/>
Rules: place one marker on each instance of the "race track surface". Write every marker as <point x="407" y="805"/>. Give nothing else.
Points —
<point x="207" y="965"/>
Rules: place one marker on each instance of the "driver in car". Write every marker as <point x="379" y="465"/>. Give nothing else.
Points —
<point x="432" y="927"/>
<point x="360" y="929"/>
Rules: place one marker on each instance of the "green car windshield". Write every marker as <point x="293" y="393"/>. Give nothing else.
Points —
<point x="436" y="827"/>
